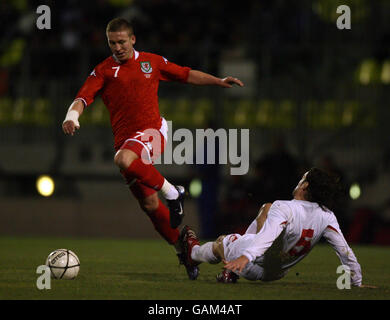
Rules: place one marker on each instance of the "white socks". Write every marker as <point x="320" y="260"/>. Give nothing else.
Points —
<point x="204" y="253"/>
<point x="169" y="191"/>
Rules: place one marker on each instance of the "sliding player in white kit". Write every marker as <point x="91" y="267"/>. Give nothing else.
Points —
<point x="283" y="234"/>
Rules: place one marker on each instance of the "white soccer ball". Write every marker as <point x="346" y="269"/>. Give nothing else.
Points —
<point x="63" y="264"/>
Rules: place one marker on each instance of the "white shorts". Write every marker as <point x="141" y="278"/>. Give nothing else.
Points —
<point x="234" y="245"/>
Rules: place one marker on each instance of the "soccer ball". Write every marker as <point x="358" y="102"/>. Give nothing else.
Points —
<point x="63" y="264"/>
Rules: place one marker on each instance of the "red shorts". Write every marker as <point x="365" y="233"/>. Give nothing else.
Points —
<point x="148" y="144"/>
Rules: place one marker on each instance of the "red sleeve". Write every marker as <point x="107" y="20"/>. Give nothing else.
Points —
<point x="172" y="72"/>
<point x="91" y="87"/>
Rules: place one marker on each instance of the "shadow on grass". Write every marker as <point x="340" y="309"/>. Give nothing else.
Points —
<point x="182" y="277"/>
<point x="149" y="276"/>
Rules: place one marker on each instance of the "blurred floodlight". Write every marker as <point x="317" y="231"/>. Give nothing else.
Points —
<point x="195" y="188"/>
<point x="366" y="70"/>
<point x="354" y="191"/>
<point x="385" y="75"/>
<point x="45" y="185"/>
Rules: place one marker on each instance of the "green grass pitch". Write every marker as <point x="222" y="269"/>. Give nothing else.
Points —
<point x="148" y="270"/>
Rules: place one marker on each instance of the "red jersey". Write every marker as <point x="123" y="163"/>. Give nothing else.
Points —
<point x="129" y="91"/>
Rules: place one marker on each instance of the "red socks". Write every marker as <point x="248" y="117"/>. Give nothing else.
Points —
<point x="160" y="220"/>
<point x="146" y="173"/>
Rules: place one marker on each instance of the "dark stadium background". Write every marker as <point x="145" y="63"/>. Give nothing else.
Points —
<point x="314" y="95"/>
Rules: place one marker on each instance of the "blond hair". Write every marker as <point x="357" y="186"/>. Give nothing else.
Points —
<point x="119" y="24"/>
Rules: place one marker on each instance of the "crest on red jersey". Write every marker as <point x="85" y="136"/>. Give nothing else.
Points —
<point x="146" y="67"/>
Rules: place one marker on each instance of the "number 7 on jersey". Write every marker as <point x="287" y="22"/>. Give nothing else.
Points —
<point x="116" y="72"/>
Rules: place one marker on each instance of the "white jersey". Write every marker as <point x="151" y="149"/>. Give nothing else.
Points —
<point x="291" y="230"/>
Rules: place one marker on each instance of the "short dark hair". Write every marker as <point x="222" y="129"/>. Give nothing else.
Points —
<point x="324" y="188"/>
<point x="119" y="24"/>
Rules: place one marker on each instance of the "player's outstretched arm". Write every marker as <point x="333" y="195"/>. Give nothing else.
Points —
<point x="335" y="238"/>
<point x="71" y="122"/>
<point x="202" y="79"/>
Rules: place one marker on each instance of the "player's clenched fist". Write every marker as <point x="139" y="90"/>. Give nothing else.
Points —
<point x="69" y="127"/>
<point x="228" y="82"/>
<point x="71" y="122"/>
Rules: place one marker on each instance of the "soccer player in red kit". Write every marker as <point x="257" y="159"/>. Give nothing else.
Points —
<point x="128" y="84"/>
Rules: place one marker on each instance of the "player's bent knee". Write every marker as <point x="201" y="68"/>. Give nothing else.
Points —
<point x="262" y="216"/>
<point x="264" y="210"/>
<point x="218" y="250"/>
<point x="124" y="158"/>
<point x="120" y="159"/>
<point x="266" y="206"/>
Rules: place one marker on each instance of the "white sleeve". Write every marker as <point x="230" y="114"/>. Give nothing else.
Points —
<point x="278" y="216"/>
<point x="335" y="238"/>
